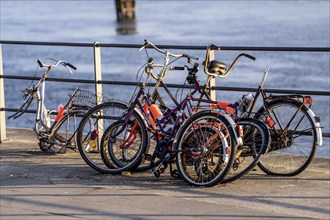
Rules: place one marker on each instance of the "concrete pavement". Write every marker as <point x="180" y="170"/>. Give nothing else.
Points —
<point x="37" y="185"/>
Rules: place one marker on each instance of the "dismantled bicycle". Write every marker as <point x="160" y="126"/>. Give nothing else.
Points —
<point x="55" y="130"/>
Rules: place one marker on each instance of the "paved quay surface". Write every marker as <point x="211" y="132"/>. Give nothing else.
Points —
<point x="37" y="185"/>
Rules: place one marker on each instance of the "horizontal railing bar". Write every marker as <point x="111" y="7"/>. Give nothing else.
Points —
<point x="38" y="43"/>
<point x="124" y="83"/>
<point x="183" y="47"/>
<point x="325" y="134"/>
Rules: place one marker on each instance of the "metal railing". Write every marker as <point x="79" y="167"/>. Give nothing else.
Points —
<point x="98" y="72"/>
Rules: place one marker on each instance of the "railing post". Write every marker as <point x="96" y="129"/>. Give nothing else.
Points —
<point x="97" y="70"/>
<point x="213" y="93"/>
<point x="3" y="135"/>
<point x="98" y="86"/>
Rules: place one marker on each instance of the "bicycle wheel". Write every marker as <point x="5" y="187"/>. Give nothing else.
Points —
<point x="205" y="147"/>
<point x="92" y="131"/>
<point x="120" y="151"/>
<point x="293" y="137"/>
<point x="256" y="140"/>
<point x="63" y="133"/>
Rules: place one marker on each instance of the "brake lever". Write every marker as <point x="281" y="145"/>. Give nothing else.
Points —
<point x="29" y="90"/>
<point x="144" y="45"/>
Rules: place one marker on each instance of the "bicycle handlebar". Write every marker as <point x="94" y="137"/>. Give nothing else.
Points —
<point x="62" y="62"/>
<point x="177" y="68"/>
<point x="30" y="92"/>
<point x="148" y="43"/>
<point x="207" y="56"/>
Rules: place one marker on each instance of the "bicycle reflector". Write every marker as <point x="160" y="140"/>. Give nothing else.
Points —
<point x="308" y="100"/>
<point x="239" y="130"/>
<point x="60" y="113"/>
<point x="270" y="122"/>
<point x="91" y="143"/>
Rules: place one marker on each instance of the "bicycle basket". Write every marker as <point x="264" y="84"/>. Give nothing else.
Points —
<point x="87" y="99"/>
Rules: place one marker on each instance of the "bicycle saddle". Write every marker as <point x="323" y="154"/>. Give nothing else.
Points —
<point x="217" y="67"/>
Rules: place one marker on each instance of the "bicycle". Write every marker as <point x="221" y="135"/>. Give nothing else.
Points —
<point x="255" y="136"/>
<point x="295" y="130"/>
<point x="56" y="134"/>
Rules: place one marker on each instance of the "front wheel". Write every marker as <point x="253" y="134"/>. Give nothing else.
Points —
<point x="205" y="146"/>
<point x="293" y="137"/>
<point x="94" y="138"/>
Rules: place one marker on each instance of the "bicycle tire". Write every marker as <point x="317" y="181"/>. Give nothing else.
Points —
<point x="103" y="116"/>
<point x="201" y="163"/>
<point x="290" y="153"/>
<point x="256" y="141"/>
<point x="117" y="154"/>
<point x="71" y="128"/>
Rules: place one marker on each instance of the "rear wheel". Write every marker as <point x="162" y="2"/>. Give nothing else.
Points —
<point x="62" y="135"/>
<point x="205" y="147"/>
<point x="255" y="142"/>
<point x="293" y="138"/>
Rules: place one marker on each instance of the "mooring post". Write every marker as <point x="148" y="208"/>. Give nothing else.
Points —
<point x="125" y="10"/>
<point x="3" y="135"/>
<point x="213" y="93"/>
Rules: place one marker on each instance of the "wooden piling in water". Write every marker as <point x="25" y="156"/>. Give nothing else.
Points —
<point x="125" y="10"/>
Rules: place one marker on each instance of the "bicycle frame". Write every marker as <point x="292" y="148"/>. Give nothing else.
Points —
<point x="156" y="126"/>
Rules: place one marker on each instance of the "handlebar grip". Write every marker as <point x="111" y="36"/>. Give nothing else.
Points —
<point x="40" y="63"/>
<point x="194" y="58"/>
<point x="190" y="57"/>
<point x="178" y="68"/>
<point x="250" y="57"/>
<point x="71" y="66"/>
<point x="214" y="47"/>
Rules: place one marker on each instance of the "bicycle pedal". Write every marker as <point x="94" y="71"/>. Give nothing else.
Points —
<point x="157" y="174"/>
<point x="147" y="157"/>
<point x="235" y="165"/>
<point x="93" y="152"/>
<point x="175" y="174"/>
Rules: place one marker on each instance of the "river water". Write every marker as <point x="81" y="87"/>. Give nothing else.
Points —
<point x="225" y="23"/>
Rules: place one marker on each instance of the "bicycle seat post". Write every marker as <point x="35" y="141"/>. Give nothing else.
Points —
<point x="264" y="78"/>
<point x="211" y="79"/>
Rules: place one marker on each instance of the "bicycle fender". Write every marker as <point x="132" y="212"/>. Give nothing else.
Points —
<point x="227" y="117"/>
<point x="317" y="125"/>
<point x="238" y="140"/>
<point x="145" y="126"/>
